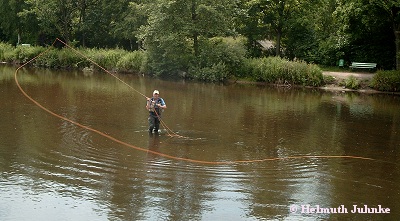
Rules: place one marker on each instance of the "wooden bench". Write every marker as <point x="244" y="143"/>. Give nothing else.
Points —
<point x="370" y="66"/>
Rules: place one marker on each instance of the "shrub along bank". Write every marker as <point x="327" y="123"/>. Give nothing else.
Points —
<point x="272" y="70"/>
<point x="276" y="70"/>
<point x="386" y="81"/>
<point x="114" y="59"/>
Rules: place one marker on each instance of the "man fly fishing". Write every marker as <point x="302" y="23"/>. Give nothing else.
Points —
<point x="155" y="106"/>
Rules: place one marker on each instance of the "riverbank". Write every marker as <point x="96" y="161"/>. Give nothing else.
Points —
<point x="271" y="70"/>
<point x="338" y="77"/>
<point x="364" y="78"/>
<point x="335" y="82"/>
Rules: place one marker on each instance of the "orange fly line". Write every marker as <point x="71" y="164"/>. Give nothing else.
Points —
<point x="172" y="133"/>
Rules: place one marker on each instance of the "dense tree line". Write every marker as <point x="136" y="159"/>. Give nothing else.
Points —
<point x="194" y="36"/>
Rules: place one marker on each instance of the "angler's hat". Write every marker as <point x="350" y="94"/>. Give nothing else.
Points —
<point x="156" y="92"/>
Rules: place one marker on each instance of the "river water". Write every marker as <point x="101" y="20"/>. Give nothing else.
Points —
<point x="52" y="169"/>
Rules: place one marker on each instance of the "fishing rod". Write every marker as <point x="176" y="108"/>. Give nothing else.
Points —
<point x="169" y="131"/>
<point x="151" y="151"/>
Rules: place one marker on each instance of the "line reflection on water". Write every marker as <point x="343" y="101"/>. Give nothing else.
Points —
<point x="51" y="169"/>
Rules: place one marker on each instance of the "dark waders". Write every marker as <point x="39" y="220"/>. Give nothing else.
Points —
<point x="154" y="105"/>
<point x="154" y="123"/>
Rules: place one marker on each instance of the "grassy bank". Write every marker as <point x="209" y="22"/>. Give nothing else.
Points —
<point x="386" y="81"/>
<point x="281" y="71"/>
<point x="271" y="70"/>
<point x="65" y="58"/>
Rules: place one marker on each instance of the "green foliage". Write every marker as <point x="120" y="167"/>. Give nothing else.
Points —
<point x="351" y="83"/>
<point x="61" y="58"/>
<point x="25" y="53"/>
<point x="198" y="38"/>
<point x="107" y="59"/>
<point x="135" y="61"/>
<point x="386" y="81"/>
<point x="175" y="29"/>
<point x="115" y="59"/>
<point x="273" y="18"/>
<point x="101" y="24"/>
<point x="368" y="39"/>
<point x="54" y="16"/>
<point x="217" y="72"/>
<point x="224" y="55"/>
<point x="69" y="59"/>
<point x="49" y="59"/>
<point x="329" y="79"/>
<point x="6" y="52"/>
<point x="169" y="55"/>
<point x="17" y="29"/>
<point x="131" y="20"/>
<point x="278" y="70"/>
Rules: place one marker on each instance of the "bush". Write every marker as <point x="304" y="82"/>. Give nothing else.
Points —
<point x="170" y="55"/>
<point x="24" y="54"/>
<point x="216" y="73"/>
<point x="278" y="70"/>
<point x="107" y="59"/>
<point x="351" y="83"/>
<point x="60" y="58"/>
<point x="6" y="52"/>
<point x="386" y="81"/>
<point x="329" y="79"/>
<point x="133" y="62"/>
<point x="114" y="59"/>
<point x="218" y="59"/>
<point x="49" y="59"/>
<point x="70" y="59"/>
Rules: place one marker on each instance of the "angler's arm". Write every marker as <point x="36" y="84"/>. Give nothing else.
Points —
<point x="162" y="106"/>
<point x="148" y="104"/>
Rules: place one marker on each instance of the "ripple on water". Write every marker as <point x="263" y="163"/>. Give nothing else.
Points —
<point x="80" y="159"/>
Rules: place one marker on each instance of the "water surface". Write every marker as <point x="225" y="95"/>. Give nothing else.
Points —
<point x="52" y="169"/>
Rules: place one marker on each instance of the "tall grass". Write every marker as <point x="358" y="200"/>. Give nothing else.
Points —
<point x="278" y="70"/>
<point x="386" y="81"/>
<point x="6" y="52"/>
<point x="135" y="61"/>
<point x="212" y="68"/>
<point x="106" y="58"/>
<point x="61" y="58"/>
<point x="217" y="72"/>
<point x="26" y="53"/>
<point x="112" y="59"/>
<point x="351" y="83"/>
<point x="218" y="59"/>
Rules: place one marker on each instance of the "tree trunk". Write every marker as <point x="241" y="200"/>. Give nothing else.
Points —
<point x="394" y="11"/>
<point x="82" y="20"/>
<point x="19" y="38"/>
<point x="397" y="41"/>
<point x="195" y="34"/>
<point x="278" y="42"/>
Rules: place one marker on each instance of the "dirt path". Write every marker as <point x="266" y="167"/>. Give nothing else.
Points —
<point x="344" y="75"/>
<point x="364" y="78"/>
